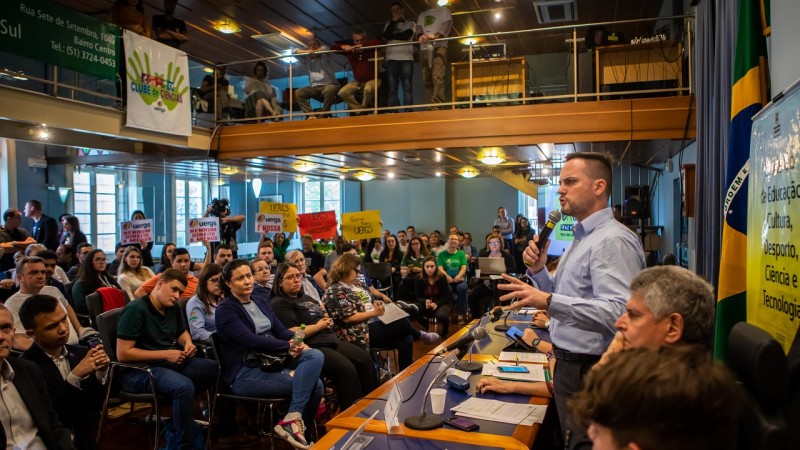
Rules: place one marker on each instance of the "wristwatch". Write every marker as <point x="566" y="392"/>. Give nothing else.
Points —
<point x="549" y="300"/>
<point x="536" y="343"/>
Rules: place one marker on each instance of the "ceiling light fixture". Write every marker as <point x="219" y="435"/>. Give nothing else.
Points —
<point x="469" y="41"/>
<point x="390" y="175"/>
<point x="342" y="177"/>
<point x="365" y="176"/>
<point x="40" y="133"/>
<point x="304" y="166"/>
<point x="469" y="172"/>
<point x="443" y="2"/>
<point x="438" y="173"/>
<point x="492" y="156"/>
<point x="220" y="182"/>
<point x="288" y="59"/>
<point x="229" y="170"/>
<point x="227" y="27"/>
<point x="301" y="178"/>
<point x="256" y="183"/>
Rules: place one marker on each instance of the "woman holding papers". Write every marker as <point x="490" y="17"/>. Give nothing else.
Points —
<point x="356" y="315"/>
<point x="348" y="365"/>
<point x="433" y="295"/>
<point x="491" y="384"/>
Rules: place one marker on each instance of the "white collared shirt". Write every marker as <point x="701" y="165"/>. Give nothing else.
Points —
<point x="21" y="432"/>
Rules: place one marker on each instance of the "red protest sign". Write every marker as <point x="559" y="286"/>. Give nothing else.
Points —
<point x="319" y="225"/>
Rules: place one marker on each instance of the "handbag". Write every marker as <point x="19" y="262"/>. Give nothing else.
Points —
<point x="268" y="362"/>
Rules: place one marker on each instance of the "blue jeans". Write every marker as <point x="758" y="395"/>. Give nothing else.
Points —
<point x="304" y="387"/>
<point x="460" y="289"/>
<point x="178" y="382"/>
<point x="400" y="71"/>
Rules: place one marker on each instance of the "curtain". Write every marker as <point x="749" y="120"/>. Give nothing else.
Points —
<point x="716" y="39"/>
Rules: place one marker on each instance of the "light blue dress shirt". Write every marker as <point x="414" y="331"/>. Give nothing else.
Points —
<point x="590" y="287"/>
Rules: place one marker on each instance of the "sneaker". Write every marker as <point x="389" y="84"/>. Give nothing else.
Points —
<point x="428" y="337"/>
<point x="293" y="432"/>
<point x="411" y="309"/>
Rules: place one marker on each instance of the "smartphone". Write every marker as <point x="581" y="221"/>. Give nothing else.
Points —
<point x="512" y="369"/>
<point x="462" y="423"/>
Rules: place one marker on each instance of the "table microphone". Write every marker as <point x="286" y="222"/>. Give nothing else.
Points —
<point x="505" y="326"/>
<point x="475" y="335"/>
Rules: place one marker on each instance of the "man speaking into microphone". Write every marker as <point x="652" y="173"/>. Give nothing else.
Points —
<point x="590" y="288"/>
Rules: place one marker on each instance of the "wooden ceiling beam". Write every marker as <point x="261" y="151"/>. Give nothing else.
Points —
<point x="611" y="120"/>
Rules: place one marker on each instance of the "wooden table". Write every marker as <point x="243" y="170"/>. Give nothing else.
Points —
<point x="512" y="436"/>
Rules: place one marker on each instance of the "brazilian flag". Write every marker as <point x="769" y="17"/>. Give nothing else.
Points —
<point x="749" y="93"/>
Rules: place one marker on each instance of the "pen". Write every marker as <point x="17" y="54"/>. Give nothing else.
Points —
<point x="517" y="362"/>
<point x="547" y="377"/>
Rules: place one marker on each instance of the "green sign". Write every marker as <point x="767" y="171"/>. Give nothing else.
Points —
<point x="57" y="35"/>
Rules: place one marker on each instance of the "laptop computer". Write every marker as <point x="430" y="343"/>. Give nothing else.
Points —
<point x="491" y="266"/>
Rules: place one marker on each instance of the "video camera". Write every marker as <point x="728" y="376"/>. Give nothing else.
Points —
<point x="219" y="207"/>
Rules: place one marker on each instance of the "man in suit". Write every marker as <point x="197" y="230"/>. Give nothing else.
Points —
<point x="45" y="228"/>
<point x="73" y="374"/>
<point x="23" y="390"/>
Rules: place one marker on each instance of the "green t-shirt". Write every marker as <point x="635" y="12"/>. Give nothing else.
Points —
<point x="452" y="262"/>
<point x="140" y="321"/>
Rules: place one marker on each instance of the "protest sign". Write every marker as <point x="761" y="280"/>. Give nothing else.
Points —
<point x="204" y="229"/>
<point x="319" y="225"/>
<point x="269" y="223"/>
<point x="136" y="231"/>
<point x="287" y="210"/>
<point x="361" y="225"/>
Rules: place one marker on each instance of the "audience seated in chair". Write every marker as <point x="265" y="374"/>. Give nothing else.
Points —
<point x="74" y="374"/>
<point x="261" y="101"/>
<point x="151" y="331"/>
<point x="37" y="423"/>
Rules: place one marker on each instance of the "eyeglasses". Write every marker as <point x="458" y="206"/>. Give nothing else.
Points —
<point x="494" y="243"/>
<point x="292" y="277"/>
<point x="215" y="280"/>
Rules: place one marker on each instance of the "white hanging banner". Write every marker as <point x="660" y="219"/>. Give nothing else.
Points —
<point x="157" y="85"/>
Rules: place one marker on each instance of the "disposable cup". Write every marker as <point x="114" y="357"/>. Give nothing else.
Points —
<point x="437" y="400"/>
<point x="477" y="273"/>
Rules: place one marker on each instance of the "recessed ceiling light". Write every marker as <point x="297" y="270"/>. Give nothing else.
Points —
<point x="301" y="178"/>
<point x="469" y="172"/>
<point x="390" y="175"/>
<point x="304" y="166"/>
<point x="365" y="176"/>
<point x="227" y="27"/>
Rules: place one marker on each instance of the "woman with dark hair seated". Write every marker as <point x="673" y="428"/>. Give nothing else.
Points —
<point x="249" y="328"/>
<point x="433" y="296"/>
<point x="72" y="232"/>
<point x="348" y="365"/>
<point x="91" y="277"/>
<point x="201" y="308"/>
<point x="166" y="257"/>
<point x="355" y="314"/>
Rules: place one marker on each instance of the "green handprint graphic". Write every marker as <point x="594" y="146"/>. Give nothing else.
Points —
<point x="149" y="93"/>
<point x="171" y="92"/>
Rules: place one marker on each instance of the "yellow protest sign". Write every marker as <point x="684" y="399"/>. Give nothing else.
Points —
<point x="287" y="210"/>
<point x="361" y="225"/>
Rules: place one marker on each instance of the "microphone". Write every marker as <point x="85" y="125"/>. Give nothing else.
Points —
<point x="475" y="335"/>
<point x="552" y="219"/>
<point x="496" y="314"/>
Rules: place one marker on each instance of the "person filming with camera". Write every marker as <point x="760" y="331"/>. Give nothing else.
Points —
<point x="228" y="224"/>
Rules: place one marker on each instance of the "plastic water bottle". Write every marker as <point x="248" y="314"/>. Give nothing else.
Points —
<point x="299" y="335"/>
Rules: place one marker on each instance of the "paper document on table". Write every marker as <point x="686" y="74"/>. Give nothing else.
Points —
<point x="535" y="372"/>
<point x="499" y="411"/>
<point x="495" y="277"/>
<point x="527" y="311"/>
<point x="525" y="357"/>
<point x="392" y="313"/>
